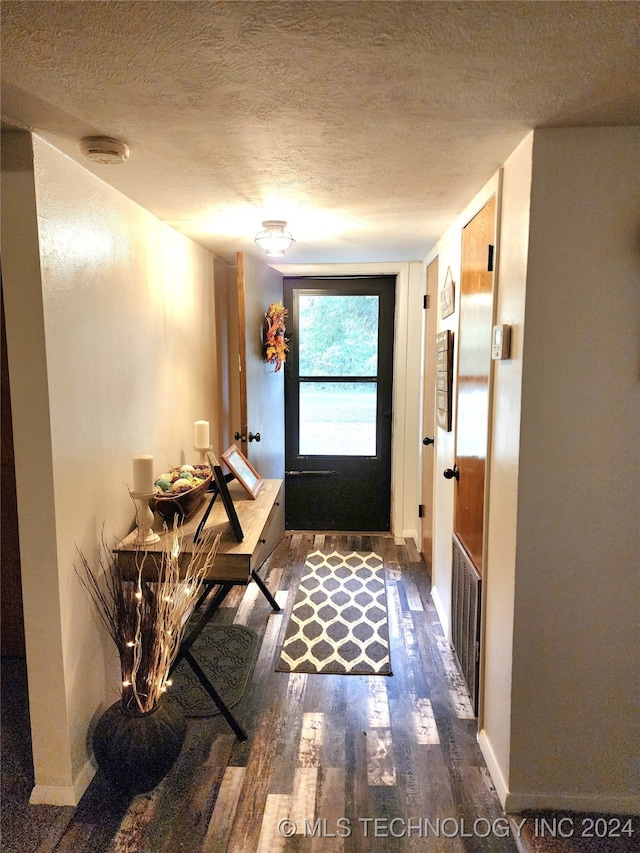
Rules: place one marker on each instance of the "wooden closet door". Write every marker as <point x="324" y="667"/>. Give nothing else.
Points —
<point x="474" y="362"/>
<point x="261" y="389"/>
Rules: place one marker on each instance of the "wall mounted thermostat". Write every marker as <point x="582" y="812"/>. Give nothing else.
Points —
<point x="500" y="342"/>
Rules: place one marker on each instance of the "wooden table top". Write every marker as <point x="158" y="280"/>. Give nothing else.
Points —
<point x="233" y="559"/>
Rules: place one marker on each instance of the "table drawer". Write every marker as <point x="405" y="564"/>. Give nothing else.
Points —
<point x="272" y="532"/>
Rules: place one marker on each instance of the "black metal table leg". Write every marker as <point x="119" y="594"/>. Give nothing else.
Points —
<point x="264" y="590"/>
<point x="195" y="632"/>
<point x="208" y="586"/>
<point x="202" y="678"/>
<point x="184" y="653"/>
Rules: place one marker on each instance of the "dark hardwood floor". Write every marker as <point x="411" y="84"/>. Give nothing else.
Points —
<point x="343" y="763"/>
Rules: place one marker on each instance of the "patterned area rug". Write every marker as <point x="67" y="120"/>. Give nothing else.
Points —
<point x="339" y="619"/>
<point x="226" y="654"/>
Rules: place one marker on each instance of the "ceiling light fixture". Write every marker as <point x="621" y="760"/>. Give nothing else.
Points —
<point x="104" y="150"/>
<point x="274" y="240"/>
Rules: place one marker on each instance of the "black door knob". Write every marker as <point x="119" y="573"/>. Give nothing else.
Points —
<point x="253" y="437"/>
<point x="239" y="436"/>
<point x="427" y="440"/>
<point x="452" y="473"/>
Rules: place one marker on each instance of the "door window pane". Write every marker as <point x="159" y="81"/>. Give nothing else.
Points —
<point x="337" y="335"/>
<point x="337" y="418"/>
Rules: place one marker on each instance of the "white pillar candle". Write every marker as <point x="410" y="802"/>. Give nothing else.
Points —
<point x="143" y="475"/>
<point x="201" y="434"/>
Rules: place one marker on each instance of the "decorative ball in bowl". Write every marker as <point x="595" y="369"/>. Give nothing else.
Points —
<point x="180" y="491"/>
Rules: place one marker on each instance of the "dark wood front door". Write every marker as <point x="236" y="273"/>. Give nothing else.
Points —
<point x="338" y="403"/>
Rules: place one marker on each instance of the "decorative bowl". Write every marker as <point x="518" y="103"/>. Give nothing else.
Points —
<point x="182" y="503"/>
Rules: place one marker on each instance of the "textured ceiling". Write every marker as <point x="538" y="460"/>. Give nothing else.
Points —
<point x="367" y="125"/>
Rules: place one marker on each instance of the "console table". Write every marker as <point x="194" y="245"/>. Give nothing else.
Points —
<point x="262" y="522"/>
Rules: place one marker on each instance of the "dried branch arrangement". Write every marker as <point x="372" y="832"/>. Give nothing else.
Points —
<point x="146" y="616"/>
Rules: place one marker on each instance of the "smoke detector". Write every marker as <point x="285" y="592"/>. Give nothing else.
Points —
<point x="102" y="149"/>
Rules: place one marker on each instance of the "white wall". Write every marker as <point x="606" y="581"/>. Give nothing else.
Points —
<point x="112" y="352"/>
<point x="559" y="721"/>
<point x="576" y="688"/>
<point x="494" y="721"/>
<point x="26" y="349"/>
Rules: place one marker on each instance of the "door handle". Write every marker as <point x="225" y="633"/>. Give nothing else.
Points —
<point x="427" y="440"/>
<point x="253" y="437"/>
<point x="239" y="436"/>
<point x="452" y="473"/>
<point x="310" y="473"/>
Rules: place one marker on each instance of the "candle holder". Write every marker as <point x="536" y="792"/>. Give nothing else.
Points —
<point x="203" y="453"/>
<point x="144" y="519"/>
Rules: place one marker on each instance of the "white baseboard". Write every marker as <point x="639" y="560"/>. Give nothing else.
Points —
<point x="616" y="805"/>
<point x="516" y="802"/>
<point x="412" y="534"/>
<point x="443" y="616"/>
<point x="495" y="771"/>
<point x="64" y="795"/>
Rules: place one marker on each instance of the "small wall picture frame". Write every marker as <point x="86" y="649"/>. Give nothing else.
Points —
<point x="243" y="471"/>
<point x="448" y="296"/>
<point x="444" y="378"/>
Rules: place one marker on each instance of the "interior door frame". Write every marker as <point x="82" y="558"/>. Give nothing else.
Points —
<point x="405" y="453"/>
<point x="429" y="425"/>
<point x="261" y="431"/>
<point x="492" y="189"/>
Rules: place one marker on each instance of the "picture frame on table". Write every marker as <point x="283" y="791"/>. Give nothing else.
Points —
<point x="243" y="471"/>
<point x="222" y="489"/>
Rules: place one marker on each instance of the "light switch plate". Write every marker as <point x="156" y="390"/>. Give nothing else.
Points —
<point x="501" y="342"/>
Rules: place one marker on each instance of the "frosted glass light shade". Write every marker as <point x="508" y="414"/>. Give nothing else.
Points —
<point x="274" y="240"/>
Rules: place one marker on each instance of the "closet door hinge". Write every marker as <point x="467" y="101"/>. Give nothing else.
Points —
<point x="420" y="510"/>
<point x="425" y="301"/>
<point x="490" y="258"/>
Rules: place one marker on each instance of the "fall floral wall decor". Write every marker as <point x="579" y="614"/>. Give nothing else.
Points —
<point x="275" y="343"/>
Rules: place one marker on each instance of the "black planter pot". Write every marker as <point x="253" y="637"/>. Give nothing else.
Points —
<point x="136" y="751"/>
